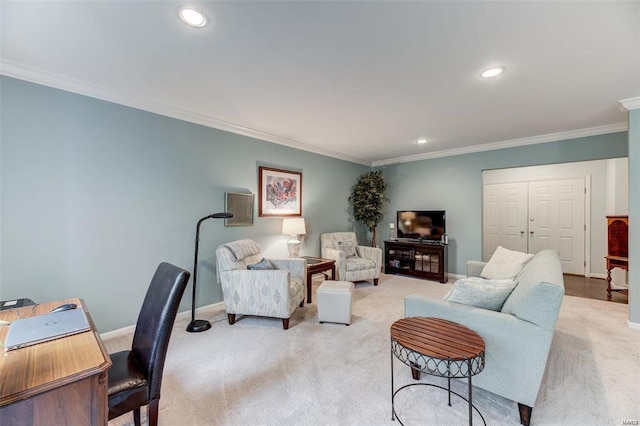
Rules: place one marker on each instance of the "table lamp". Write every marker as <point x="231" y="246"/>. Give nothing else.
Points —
<point x="293" y="227"/>
<point x="195" y="325"/>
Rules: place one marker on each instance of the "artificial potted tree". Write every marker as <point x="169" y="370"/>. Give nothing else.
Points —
<point x="367" y="200"/>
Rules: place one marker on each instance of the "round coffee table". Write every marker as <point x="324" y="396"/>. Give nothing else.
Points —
<point x="440" y="348"/>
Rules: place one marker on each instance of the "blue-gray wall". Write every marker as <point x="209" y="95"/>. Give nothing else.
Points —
<point x="454" y="184"/>
<point x="95" y="195"/>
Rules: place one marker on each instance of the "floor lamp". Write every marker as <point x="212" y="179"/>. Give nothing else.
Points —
<point x="195" y="325"/>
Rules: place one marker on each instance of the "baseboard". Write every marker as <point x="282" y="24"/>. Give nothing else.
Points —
<point x="455" y="276"/>
<point x="598" y="276"/>
<point x="634" y="325"/>
<point x="114" y="334"/>
<point x="181" y="315"/>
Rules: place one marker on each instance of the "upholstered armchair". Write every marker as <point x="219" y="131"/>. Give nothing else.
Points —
<point x="274" y="288"/>
<point x="353" y="262"/>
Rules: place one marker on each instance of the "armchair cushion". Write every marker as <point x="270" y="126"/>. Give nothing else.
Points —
<point x="359" y="264"/>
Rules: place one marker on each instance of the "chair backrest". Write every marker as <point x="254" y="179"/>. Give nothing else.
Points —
<point x="236" y="255"/>
<point x="331" y="239"/>
<point x="155" y="321"/>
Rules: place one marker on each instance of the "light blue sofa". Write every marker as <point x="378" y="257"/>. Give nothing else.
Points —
<point x="517" y="338"/>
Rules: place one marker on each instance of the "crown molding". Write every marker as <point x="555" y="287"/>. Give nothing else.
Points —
<point x="33" y="75"/>
<point x="57" y="81"/>
<point x="552" y="137"/>
<point x="629" y="104"/>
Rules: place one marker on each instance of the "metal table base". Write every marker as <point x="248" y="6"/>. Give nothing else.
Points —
<point x="446" y="368"/>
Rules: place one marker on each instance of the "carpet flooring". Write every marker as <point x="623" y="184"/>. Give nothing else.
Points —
<point x="256" y="373"/>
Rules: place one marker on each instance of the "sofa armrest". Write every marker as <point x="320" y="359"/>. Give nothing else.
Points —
<point x="373" y="253"/>
<point x="474" y="268"/>
<point x="297" y="267"/>
<point x="341" y="260"/>
<point x="331" y="253"/>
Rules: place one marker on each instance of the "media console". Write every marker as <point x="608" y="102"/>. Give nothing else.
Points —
<point x="426" y="259"/>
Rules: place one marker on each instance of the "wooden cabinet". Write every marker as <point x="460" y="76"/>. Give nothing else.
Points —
<point x="617" y="248"/>
<point x="422" y="260"/>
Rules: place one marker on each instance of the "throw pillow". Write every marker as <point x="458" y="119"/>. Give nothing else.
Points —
<point x="504" y="264"/>
<point x="348" y="248"/>
<point x="481" y="293"/>
<point x="264" y="264"/>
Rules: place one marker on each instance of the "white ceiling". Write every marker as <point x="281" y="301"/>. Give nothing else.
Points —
<point x="355" y="80"/>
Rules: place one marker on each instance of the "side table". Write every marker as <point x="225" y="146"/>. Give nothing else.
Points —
<point x="616" y="262"/>
<point x="317" y="265"/>
<point x="440" y="348"/>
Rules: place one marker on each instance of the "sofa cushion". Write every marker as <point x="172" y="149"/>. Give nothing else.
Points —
<point x="505" y="264"/>
<point x="481" y="293"/>
<point x="264" y="264"/>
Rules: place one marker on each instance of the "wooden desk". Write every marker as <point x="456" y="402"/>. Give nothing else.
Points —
<point x="317" y="265"/>
<point x="616" y="262"/>
<point x="63" y="381"/>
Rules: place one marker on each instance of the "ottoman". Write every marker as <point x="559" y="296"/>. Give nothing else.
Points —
<point x="334" y="301"/>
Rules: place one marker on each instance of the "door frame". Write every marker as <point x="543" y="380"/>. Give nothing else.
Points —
<point x="587" y="210"/>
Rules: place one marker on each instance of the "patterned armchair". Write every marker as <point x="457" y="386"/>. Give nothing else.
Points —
<point x="353" y="262"/>
<point x="273" y="292"/>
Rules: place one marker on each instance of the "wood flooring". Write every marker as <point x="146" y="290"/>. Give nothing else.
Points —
<point x="590" y="288"/>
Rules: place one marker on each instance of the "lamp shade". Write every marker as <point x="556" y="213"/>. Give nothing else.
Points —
<point x="293" y="226"/>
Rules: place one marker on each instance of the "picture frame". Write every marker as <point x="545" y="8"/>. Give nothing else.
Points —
<point x="279" y="192"/>
<point x="240" y="204"/>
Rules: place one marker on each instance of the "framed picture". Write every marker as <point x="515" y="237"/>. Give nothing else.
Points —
<point x="280" y="192"/>
<point x="241" y="206"/>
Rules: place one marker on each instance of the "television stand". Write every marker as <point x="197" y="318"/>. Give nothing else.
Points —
<point x="419" y="259"/>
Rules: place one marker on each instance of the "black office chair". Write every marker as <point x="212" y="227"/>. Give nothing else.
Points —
<point x="136" y="375"/>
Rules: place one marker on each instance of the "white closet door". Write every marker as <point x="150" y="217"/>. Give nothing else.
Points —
<point x="557" y="221"/>
<point x="505" y="217"/>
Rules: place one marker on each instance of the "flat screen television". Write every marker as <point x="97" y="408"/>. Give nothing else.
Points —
<point x="421" y="224"/>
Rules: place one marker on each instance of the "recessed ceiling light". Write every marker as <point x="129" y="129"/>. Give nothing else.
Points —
<point x="193" y="17"/>
<point x="492" y="72"/>
<point x="422" y="141"/>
